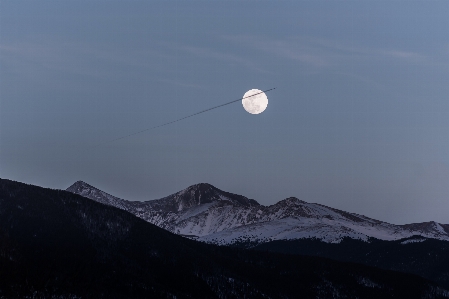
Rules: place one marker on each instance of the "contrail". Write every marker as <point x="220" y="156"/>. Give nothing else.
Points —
<point x="171" y="122"/>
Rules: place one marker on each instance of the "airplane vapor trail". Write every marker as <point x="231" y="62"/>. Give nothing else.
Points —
<point x="174" y="121"/>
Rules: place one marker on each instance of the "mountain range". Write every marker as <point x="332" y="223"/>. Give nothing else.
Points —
<point x="209" y="214"/>
<point x="206" y="213"/>
<point x="56" y="244"/>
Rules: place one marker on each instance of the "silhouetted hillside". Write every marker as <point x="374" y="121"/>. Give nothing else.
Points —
<point x="428" y="258"/>
<point x="55" y="244"/>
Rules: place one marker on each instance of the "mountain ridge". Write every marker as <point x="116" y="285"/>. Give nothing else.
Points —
<point x="215" y="216"/>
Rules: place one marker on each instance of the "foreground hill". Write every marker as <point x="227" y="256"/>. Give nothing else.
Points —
<point x="55" y="244"/>
<point x="428" y="258"/>
<point x="220" y="217"/>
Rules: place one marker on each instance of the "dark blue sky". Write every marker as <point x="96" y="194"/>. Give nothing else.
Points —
<point x="359" y="119"/>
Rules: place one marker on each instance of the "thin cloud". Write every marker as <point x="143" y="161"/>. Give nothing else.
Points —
<point x="404" y="55"/>
<point x="322" y="52"/>
<point x="93" y="60"/>
<point x="289" y="49"/>
<point x="206" y="52"/>
<point x="183" y="84"/>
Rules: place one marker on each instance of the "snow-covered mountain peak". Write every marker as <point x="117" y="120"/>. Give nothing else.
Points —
<point x="431" y="227"/>
<point x="79" y="185"/>
<point x="195" y="195"/>
<point x="201" y="187"/>
<point x="204" y="193"/>
<point x="89" y="191"/>
<point x="291" y="201"/>
<point x="83" y="188"/>
<point x="293" y="207"/>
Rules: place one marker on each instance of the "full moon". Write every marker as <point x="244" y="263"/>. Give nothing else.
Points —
<point x="255" y="104"/>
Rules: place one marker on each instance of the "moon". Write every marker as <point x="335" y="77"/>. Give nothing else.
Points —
<point x="255" y="104"/>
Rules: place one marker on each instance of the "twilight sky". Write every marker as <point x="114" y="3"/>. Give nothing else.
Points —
<point x="359" y="119"/>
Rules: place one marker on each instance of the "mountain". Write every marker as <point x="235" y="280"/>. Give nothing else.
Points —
<point x="56" y="244"/>
<point x="93" y="193"/>
<point x="198" y="210"/>
<point x="215" y="216"/>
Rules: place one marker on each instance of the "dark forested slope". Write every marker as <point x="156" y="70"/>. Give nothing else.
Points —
<point x="428" y="258"/>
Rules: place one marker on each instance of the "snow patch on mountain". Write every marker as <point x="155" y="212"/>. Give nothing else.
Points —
<point x="417" y="240"/>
